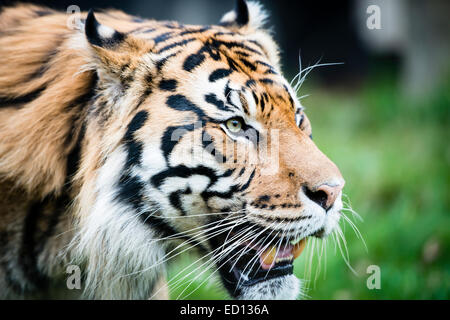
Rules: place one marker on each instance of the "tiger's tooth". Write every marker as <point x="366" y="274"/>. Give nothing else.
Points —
<point x="298" y="248"/>
<point x="288" y="258"/>
<point x="268" y="256"/>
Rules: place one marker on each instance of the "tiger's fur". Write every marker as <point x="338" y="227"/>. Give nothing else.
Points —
<point x="86" y="174"/>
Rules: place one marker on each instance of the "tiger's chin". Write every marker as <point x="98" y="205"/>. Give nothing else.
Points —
<point x="286" y="287"/>
<point x="262" y="272"/>
<point x="279" y="283"/>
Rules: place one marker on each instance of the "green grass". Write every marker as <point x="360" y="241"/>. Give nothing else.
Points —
<point x="395" y="156"/>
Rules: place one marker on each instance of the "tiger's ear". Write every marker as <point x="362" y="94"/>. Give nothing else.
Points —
<point x="113" y="52"/>
<point x="246" y="14"/>
<point x="100" y="35"/>
<point x="248" y="18"/>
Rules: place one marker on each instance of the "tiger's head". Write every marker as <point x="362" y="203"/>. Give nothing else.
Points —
<point x="196" y="136"/>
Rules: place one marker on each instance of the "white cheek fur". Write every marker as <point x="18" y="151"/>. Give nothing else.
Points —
<point x="114" y="244"/>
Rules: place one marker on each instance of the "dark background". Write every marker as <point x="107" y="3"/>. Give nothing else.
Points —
<point x="329" y="31"/>
<point x="319" y="29"/>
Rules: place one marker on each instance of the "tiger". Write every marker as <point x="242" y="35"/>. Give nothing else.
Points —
<point x="127" y="141"/>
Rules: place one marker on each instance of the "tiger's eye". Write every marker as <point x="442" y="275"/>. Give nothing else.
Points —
<point x="234" y="125"/>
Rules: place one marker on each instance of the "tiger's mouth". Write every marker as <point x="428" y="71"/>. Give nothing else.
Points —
<point x="250" y="264"/>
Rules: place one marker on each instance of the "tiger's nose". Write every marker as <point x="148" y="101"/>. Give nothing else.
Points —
<point x="326" y="194"/>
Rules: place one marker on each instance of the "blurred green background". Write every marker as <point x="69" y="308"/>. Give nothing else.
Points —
<point x="394" y="154"/>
